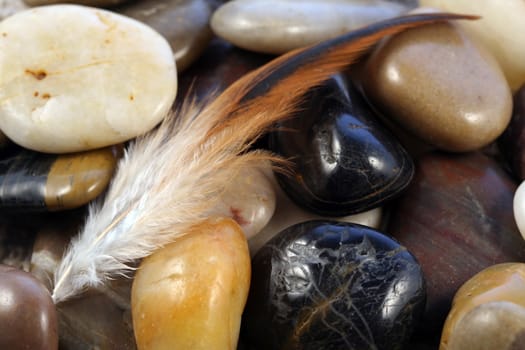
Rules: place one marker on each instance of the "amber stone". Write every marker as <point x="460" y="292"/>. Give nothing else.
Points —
<point x="456" y="217"/>
<point x="28" y="318"/>
<point x="332" y="285"/>
<point x="420" y="79"/>
<point x="184" y="23"/>
<point x="501" y="282"/>
<point x="493" y="325"/>
<point x="190" y="294"/>
<point x="345" y="161"/>
<point x="32" y="181"/>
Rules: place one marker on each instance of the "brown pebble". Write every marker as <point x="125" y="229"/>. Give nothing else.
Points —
<point x="440" y="85"/>
<point x="28" y="318"/>
<point x="497" y="283"/>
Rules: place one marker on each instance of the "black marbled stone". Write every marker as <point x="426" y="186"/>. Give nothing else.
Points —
<point x="330" y="285"/>
<point x="345" y="161"/>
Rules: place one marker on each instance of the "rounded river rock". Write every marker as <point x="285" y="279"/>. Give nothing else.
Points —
<point x="331" y="285"/>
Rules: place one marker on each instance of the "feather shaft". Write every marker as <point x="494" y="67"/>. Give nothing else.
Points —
<point x="170" y="179"/>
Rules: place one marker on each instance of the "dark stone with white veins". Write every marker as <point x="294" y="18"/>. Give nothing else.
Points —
<point x="345" y="160"/>
<point x="331" y="285"/>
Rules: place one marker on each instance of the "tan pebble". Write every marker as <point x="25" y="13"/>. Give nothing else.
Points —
<point x="501" y="29"/>
<point x="191" y="293"/>
<point x="501" y="282"/>
<point x="437" y="83"/>
<point x="496" y="325"/>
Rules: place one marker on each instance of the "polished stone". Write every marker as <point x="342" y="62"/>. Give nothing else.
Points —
<point x="501" y="29"/>
<point x="32" y="181"/>
<point x="418" y="79"/>
<point x="512" y="142"/>
<point x="493" y="325"/>
<point x="249" y="200"/>
<point x="456" y="218"/>
<point x="184" y="23"/>
<point x="278" y="26"/>
<point x="28" y="317"/>
<point x="497" y="283"/>
<point x="190" y="294"/>
<point x="287" y="213"/>
<point x="345" y="161"/>
<point x="61" y="94"/>
<point x="331" y="285"/>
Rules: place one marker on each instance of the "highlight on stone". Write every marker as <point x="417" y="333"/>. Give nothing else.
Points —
<point x="76" y="78"/>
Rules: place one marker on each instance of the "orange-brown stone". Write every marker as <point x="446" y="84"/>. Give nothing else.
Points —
<point x="191" y="293"/>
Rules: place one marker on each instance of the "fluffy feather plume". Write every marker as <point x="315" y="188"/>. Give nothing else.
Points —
<point x="170" y="178"/>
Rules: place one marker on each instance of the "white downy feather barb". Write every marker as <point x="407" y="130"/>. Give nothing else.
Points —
<point x="169" y="179"/>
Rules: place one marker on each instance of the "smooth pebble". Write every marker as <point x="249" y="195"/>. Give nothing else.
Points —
<point x="496" y="283"/>
<point x="28" y="317"/>
<point x="500" y="29"/>
<point x="332" y="285"/>
<point x="184" y="23"/>
<point x="439" y="84"/>
<point x="190" y="294"/>
<point x="278" y="26"/>
<point x="103" y="80"/>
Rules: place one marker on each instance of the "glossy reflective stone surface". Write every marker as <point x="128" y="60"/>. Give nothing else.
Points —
<point x="493" y="325"/>
<point x="32" y="181"/>
<point x="330" y="285"/>
<point x="28" y="318"/>
<point x="456" y="218"/>
<point x="344" y="160"/>
<point x="184" y="23"/>
<point x="190" y="294"/>
<point x="278" y="26"/>
<point x="500" y="28"/>
<point x="452" y="108"/>
<point x="501" y="282"/>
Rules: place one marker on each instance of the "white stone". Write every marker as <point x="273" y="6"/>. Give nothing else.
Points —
<point x="250" y="201"/>
<point x="501" y="29"/>
<point x="278" y="26"/>
<point x="74" y="78"/>
<point x="10" y="7"/>
<point x="519" y="208"/>
<point x="287" y="213"/>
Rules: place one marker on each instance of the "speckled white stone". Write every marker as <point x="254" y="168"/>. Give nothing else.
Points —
<point x="74" y="78"/>
<point x="278" y="26"/>
<point x="288" y="213"/>
<point x="519" y="208"/>
<point x="501" y="29"/>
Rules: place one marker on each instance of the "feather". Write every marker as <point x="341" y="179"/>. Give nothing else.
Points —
<point x="170" y="178"/>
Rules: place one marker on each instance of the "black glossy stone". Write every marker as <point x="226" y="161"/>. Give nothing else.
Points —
<point x="331" y="285"/>
<point x="345" y="161"/>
